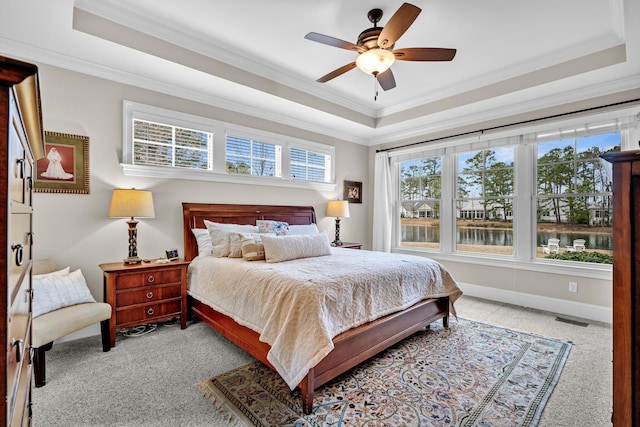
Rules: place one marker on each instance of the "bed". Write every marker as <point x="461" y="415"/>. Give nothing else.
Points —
<point x="351" y="346"/>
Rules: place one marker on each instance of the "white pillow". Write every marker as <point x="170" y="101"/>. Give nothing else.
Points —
<point x="279" y="228"/>
<point x="220" y="241"/>
<point x="204" y="241"/>
<point x="285" y="248"/>
<point x="296" y="230"/>
<point x="55" y="290"/>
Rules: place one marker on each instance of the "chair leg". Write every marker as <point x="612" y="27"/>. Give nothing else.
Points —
<point x="39" y="365"/>
<point x="106" y="336"/>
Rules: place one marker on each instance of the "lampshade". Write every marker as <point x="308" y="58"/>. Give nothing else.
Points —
<point x="338" y="208"/>
<point x="375" y="61"/>
<point x="131" y="203"/>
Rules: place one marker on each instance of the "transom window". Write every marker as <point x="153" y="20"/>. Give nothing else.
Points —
<point x="307" y="165"/>
<point x="157" y="144"/>
<point x="164" y="143"/>
<point x="249" y="157"/>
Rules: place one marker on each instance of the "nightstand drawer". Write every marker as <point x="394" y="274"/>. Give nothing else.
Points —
<point x="147" y="278"/>
<point x="147" y="313"/>
<point x="149" y="294"/>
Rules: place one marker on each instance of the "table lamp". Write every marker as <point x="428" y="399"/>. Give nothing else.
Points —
<point x="131" y="203"/>
<point x="339" y="209"/>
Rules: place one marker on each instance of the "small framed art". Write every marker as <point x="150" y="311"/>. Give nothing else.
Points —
<point x="65" y="167"/>
<point x="172" y="254"/>
<point x="352" y="191"/>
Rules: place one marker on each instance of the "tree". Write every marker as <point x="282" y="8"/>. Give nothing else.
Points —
<point x="493" y="178"/>
<point x="421" y="182"/>
<point x="555" y="176"/>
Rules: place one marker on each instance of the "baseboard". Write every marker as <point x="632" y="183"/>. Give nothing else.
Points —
<point x="554" y="305"/>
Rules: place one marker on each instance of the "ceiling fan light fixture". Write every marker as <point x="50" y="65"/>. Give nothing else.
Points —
<point x="375" y="61"/>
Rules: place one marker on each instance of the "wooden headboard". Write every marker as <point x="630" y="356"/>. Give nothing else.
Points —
<point x="194" y="214"/>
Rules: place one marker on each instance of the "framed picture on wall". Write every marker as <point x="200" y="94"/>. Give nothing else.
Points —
<point x="352" y="191"/>
<point x="65" y="167"/>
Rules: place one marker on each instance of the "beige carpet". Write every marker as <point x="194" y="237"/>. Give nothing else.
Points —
<point x="151" y="381"/>
<point x="472" y="374"/>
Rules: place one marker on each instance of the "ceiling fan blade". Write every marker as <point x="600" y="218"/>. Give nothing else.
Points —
<point x="398" y="24"/>
<point x="336" y="73"/>
<point x="386" y="80"/>
<point x="424" y="54"/>
<point x="332" y="41"/>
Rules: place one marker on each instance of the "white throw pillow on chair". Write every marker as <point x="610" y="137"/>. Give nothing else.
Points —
<point x="59" y="289"/>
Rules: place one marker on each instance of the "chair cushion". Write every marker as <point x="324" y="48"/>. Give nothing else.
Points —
<point x="63" y="321"/>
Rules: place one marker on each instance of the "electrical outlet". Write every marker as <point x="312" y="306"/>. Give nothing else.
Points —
<point x="573" y="286"/>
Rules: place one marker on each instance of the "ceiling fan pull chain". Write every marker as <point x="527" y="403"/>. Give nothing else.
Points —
<point x="375" y="88"/>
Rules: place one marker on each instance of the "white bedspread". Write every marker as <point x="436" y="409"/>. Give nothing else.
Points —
<point x="298" y="306"/>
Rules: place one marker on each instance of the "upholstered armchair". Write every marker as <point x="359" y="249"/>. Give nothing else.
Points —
<point x="77" y="310"/>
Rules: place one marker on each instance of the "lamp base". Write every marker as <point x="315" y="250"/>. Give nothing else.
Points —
<point x="132" y="260"/>
<point x="337" y="242"/>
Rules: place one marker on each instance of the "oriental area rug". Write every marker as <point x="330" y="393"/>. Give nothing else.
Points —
<point x="471" y="374"/>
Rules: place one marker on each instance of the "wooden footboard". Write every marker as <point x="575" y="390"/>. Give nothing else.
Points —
<point x="351" y="347"/>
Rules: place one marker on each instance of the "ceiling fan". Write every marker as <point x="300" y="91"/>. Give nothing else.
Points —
<point x="375" y="47"/>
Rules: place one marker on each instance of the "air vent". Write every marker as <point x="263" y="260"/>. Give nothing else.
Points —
<point x="572" y="322"/>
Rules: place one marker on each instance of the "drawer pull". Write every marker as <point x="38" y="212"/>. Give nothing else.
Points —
<point x="20" y="168"/>
<point x="151" y="311"/>
<point x="151" y="279"/>
<point x="19" y="250"/>
<point x="149" y="295"/>
<point x="18" y="344"/>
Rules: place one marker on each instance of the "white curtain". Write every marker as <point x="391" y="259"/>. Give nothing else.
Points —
<point x="382" y="204"/>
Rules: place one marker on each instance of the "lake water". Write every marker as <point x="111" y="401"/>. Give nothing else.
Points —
<point x="501" y="237"/>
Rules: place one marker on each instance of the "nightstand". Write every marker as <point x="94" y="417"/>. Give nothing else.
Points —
<point x="145" y="293"/>
<point x="349" y="245"/>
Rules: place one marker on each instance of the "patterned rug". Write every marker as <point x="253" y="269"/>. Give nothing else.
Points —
<point x="472" y="374"/>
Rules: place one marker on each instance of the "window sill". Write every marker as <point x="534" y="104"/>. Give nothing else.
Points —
<point x="567" y="268"/>
<point x="201" y="175"/>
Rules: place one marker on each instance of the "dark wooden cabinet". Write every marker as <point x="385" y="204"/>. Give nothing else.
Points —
<point x="145" y="293"/>
<point x="626" y="287"/>
<point x="22" y="142"/>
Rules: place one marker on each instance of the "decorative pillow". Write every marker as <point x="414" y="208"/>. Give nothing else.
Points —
<point x="278" y="227"/>
<point x="55" y="290"/>
<point x="285" y="248"/>
<point x="252" y="248"/>
<point x="296" y="230"/>
<point x="220" y="241"/>
<point x="204" y="241"/>
<point x="236" y="239"/>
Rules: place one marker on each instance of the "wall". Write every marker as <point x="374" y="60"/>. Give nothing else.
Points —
<point x="75" y="230"/>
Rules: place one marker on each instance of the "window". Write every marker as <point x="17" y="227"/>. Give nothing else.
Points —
<point x="168" y="144"/>
<point x="156" y="144"/>
<point x="574" y="198"/>
<point x="484" y="201"/>
<point x="307" y="165"/>
<point x="420" y="194"/>
<point x="249" y="157"/>
<point x="501" y="199"/>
